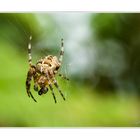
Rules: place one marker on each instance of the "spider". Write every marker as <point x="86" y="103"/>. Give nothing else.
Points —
<point x="43" y="73"/>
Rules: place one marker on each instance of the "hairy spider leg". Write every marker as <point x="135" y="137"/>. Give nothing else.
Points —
<point x="63" y="76"/>
<point x="30" y="74"/>
<point x="62" y="51"/>
<point x="28" y="85"/>
<point x="35" y="82"/>
<point x="57" y="86"/>
<point x="29" y="52"/>
<point x="51" y="88"/>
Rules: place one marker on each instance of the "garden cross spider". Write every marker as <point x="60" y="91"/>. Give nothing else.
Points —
<point x="43" y="73"/>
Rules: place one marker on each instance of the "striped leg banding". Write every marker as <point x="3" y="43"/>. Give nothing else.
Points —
<point x="62" y="51"/>
<point x="29" y="51"/>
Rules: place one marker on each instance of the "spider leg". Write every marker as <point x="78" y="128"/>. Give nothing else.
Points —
<point x="35" y="82"/>
<point x="62" y="51"/>
<point x="51" y="88"/>
<point x="63" y="76"/>
<point x="29" y="52"/>
<point x="57" y="86"/>
<point x="33" y="97"/>
<point x="28" y="84"/>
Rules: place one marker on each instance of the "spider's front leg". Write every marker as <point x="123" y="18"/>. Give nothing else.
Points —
<point x="28" y="82"/>
<point x="61" y="51"/>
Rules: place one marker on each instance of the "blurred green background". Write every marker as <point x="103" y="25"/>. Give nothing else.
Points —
<point x="102" y="61"/>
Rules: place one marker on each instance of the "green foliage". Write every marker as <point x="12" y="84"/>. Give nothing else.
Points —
<point x="120" y="30"/>
<point x="16" y="28"/>
<point x="106" y="25"/>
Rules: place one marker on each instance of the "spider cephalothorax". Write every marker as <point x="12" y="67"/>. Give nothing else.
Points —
<point x="43" y="73"/>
